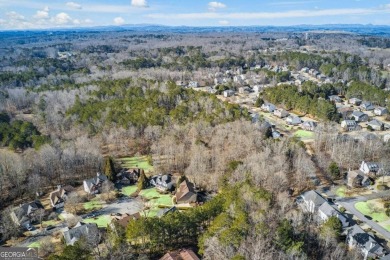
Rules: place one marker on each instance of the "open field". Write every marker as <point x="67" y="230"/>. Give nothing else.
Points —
<point x="35" y="244"/>
<point x="136" y="162"/>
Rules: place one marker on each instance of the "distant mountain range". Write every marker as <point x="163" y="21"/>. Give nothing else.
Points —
<point x="379" y="30"/>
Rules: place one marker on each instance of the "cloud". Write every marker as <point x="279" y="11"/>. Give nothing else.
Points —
<point x="14" y="16"/>
<point x="62" y="19"/>
<point x="119" y="20"/>
<point x="271" y="15"/>
<point x="139" y="3"/>
<point x="42" y="14"/>
<point x="73" y="5"/>
<point x="216" y="5"/>
<point x="223" y="22"/>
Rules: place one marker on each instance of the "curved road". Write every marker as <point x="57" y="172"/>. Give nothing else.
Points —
<point x="349" y="204"/>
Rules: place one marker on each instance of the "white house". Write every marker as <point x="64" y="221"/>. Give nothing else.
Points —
<point x="370" y="167"/>
<point x="326" y="210"/>
<point x="193" y="84"/>
<point x="355" y="101"/>
<point x="228" y="93"/>
<point x="312" y="201"/>
<point x="350" y="125"/>
<point x="93" y="185"/>
<point x="366" y="105"/>
<point x="380" y="111"/>
<point x="376" y="125"/>
<point x="359" y="116"/>
<point x="268" y="107"/>
<point x="293" y="120"/>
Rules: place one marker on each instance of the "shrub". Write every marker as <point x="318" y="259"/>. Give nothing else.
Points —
<point x="342" y="210"/>
<point x="382" y="187"/>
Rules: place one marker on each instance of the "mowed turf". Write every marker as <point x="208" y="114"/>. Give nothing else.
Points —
<point x="304" y="134"/>
<point x="377" y="216"/>
<point x="136" y="162"/>
<point x="340" y="192"/>
<point x="156" y="201"/>
<point x="129" y="190"/>
<point x="101" y="221"/>
<point x="35" y="244"/>
<point x="93" y="204"/>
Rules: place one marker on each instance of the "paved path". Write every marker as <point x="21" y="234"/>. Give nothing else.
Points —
<point x="349" y="204"/>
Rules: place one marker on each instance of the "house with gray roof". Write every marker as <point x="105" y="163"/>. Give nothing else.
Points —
<point x="89" y="231"/>
<point x="376" y="125"/>
<point x="366" y="244"/>
<point x="366" y="105"/>
<point x="334" y="98"/>
<point x="293" y="120"/>
<point x="359" y="116"/>
<point x="380" y="111"/>
<point x="163" y="182"/>
<point x="312" y="201"/>
<point x="24" y="214"/>
<point x="93" y="185"/>
<point x="350" y="125"/>
<point x="281" y="113"/>
<point x="309" y="125"/>
<point x="268" y="107"/>
<point x="355" y="101"/>
<point x="370" y="168"/>
<point x="327" y="210"/>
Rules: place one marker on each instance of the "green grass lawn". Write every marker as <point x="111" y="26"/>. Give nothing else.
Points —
<point x="35" y="244"/>
<point x="304" y="134"/>
<point x="379" y="217"/>
<point x="50" y="223"/>
<point x="136" y="162"/>
<point x="93" y="204"/>
<point x="340" y="192"/>
<point x="101" y="221"/>
<point x="155" y="200"/>
<point x="387" y="227"/>
<point x="129" y="190"/>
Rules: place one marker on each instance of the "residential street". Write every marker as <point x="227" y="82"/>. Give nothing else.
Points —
<point x="349" y="205"/>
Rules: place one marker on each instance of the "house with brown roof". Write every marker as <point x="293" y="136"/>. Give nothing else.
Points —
<point x="124" y="219"/>
<point x="357" y="179"/>
<point x="182" y="254"/>
<point x="58" y="197"/>
<point x="186" y="193"/>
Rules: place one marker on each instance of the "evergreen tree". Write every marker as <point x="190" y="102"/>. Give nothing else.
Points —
<point x="143" y="181"/>
<point x="109" y="169"/>
<point x="334" y="170"/>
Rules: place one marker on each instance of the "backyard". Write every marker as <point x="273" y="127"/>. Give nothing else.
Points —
<point x="141" y="162"/>
<point x="304" y="134"/>
<point x="156" y="201"/>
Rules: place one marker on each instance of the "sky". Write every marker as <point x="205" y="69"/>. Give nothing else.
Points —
<point x="39" y="14"/>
